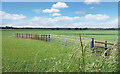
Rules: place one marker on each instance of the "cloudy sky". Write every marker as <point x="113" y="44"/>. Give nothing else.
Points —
<point x="88" y="14"/>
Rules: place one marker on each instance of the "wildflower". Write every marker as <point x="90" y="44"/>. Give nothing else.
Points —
<point x="85" y="44"/>
<point x="99" y="70"/>
<point x="95" y="67"/>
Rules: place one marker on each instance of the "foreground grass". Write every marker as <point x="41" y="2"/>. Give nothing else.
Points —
<point x="16" y="50"/>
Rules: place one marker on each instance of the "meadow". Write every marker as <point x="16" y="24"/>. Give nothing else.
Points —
<point x="28" y="55"/>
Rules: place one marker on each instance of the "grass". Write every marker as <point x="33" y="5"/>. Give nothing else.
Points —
<point x="28" y="55"/>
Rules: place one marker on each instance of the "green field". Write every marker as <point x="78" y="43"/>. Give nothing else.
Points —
<point x="28" y="55"/>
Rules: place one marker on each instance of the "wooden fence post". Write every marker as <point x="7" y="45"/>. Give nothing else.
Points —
<point x="46" y="38"/>
<point x="35" y="36"/>
<point x="19" y="35"/>
<point x="22" y="35"/>
<point x="26" y="35"/>
<point x="38" y="37"/>
<point x="92" y="44"/>
<point x="29" y="35"/>
<point x="41" y="37"/>
<point x="49" y="38"/>
<point x="106" y="48"/>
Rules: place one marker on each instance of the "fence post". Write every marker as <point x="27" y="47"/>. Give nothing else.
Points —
<point x="49" y="38"/>
<point x="29" y="35"/>
<point x="19" y="35"/>
<point x="41" y="37"/>
<point x="46" y="38"/>
<point x="35" y="36"/>
<point x="38" y="36"/>
<point x="92" y="44"/>
<point x="106" y="48"/>
<point x="22" y="35"/>
<point x="26" y="35"/>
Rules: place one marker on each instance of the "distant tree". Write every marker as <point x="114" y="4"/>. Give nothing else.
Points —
<point x="57" y="28"/>
<point x="76" y="28"/>
<point x="7" y="27"/>
<point x="69" y="28"/>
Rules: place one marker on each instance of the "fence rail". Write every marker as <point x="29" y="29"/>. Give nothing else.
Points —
<point x="105" y="46"/>
<point x="34" y="36"/>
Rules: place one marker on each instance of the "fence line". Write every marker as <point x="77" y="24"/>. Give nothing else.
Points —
<point x="105" y="46"/>
<point x="66" y="41"/>
<point x="69" y="41"/>
<point x="34" y="36"/>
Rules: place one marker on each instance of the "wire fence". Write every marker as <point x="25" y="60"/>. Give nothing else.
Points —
<point x="66" y="41"/>
<point x="70" y="41"/>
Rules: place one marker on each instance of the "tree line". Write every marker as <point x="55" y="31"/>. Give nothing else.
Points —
<point x="7" y="27"/>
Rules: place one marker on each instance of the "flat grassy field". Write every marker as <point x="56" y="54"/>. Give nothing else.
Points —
<point x="111" y="35"/>
<point x="28" y="55"/>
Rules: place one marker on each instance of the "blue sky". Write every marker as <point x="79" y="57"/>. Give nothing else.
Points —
<point x="60" y="14"/>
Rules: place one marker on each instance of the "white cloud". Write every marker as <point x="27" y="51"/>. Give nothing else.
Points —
<point x="96" y="17"/>
<point x="59" y="5"/>
<point x="56" y="14"/>
<point x="66" y="18"/>
<point x="63" y="22"/>
<point x="56" y="19"/>
<point x="92" y="1"/>
<point x="51" y="10"/>
<point x="92" y="8"/>
<point x="4" y="15"/>
<point x="55" y="8"/>
<point x="109" y="24"/>
<point x="80" y="12"/>
<point x="37" y="10"/>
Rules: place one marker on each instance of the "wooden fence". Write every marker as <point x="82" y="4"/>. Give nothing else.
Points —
<point x="34" y="36"/>
<point x="105" y="46"/>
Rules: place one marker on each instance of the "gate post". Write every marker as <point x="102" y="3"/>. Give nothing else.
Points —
<point x="92" y="45"/>
<point x="106" y="48"/>
<point x="48" y="37"/>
